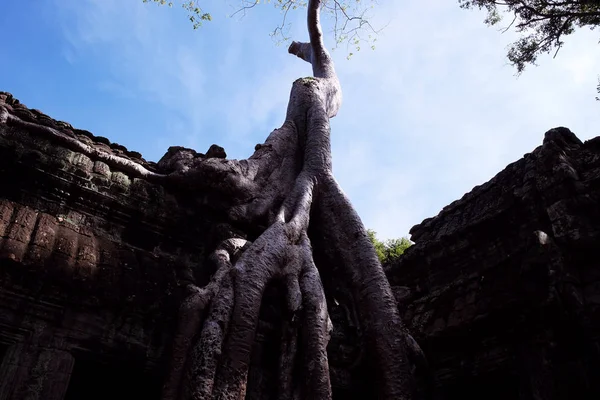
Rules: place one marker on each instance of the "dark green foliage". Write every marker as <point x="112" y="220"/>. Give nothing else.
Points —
<point x="542" y="23"/>
<point x="391" y="249"/>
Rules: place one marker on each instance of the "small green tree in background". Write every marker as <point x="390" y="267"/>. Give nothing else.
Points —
<point x="389" y="250"/>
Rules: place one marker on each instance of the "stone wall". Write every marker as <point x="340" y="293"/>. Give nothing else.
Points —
<point x="91" y="259"/>
<point x="501" y="289"/>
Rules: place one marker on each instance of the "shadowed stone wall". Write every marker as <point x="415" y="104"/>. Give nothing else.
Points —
<point x="501" y="289"/>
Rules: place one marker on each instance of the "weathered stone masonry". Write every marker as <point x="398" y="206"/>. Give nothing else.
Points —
<point x="501" y="289"/>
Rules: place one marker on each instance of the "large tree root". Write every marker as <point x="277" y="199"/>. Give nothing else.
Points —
<point x="192" y="309"/>
<point x="287" y="180"/>
<point x="212" y="355"/>
<point x="215" y="362"/>
<point x="276" y="191"/>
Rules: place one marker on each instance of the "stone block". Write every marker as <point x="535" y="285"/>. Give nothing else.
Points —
<point x="35" y="373"/>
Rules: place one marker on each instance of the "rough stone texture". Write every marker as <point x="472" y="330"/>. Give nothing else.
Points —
<point x="501" y="289"/>
<point x="91" y="260"/>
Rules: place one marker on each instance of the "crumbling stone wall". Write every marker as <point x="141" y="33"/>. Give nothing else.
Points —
<point x="501" y="289"/>
<point x="90" y="259"/>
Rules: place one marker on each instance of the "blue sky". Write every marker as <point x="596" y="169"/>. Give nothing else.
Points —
<point x="432" y="112"/>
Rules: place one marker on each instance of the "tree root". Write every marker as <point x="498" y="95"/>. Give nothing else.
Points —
<point x="377" y="309"/>
<point x="207" y="351"/>
<point x="316" y="332"/>
<point x="216" y="362"/>
<point x="287" y="179"/>
<point x="131" y="167"/>
<point x="279" y="186"/>
<point x="215" y="353"/>
<point x="191" y="311"/>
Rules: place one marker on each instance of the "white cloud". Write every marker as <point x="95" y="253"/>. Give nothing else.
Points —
<point x="446" y="111"/>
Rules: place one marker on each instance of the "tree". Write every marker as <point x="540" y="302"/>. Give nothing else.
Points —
<point x="305" y="235"/>
<point x="390" y="250"/>
<point x="395" y="248"/>
<point x="311" y="234"/>
<point x="542" y="23"/>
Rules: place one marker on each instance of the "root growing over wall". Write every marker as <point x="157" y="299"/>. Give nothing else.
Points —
<point x="287" y="181"/>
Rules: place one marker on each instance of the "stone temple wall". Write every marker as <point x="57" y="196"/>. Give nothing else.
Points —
<point x="501" y="289"/>
<point x="91" y="259"/>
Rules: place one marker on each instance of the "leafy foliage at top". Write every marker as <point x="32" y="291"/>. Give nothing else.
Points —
<point x="349" y="18"/>
<point x="542" y="23"/>
<point x="195" y="12"/>
<point x="389" y="250"/>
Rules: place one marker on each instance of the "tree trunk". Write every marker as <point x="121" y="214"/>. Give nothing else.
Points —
<point x="285" y="182"/>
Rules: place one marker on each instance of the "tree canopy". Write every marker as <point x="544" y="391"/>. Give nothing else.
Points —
<point x="543" y="24"/>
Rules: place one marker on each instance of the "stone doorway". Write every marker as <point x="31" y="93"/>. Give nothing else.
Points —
<point x="498" y="385"/>
<point x="116" y="380"/>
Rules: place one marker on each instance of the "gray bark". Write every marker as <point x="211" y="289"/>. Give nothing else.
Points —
<point x="287" y="179"/>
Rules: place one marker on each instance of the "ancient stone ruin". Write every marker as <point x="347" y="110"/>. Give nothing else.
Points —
<point x="501" y="289"/>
